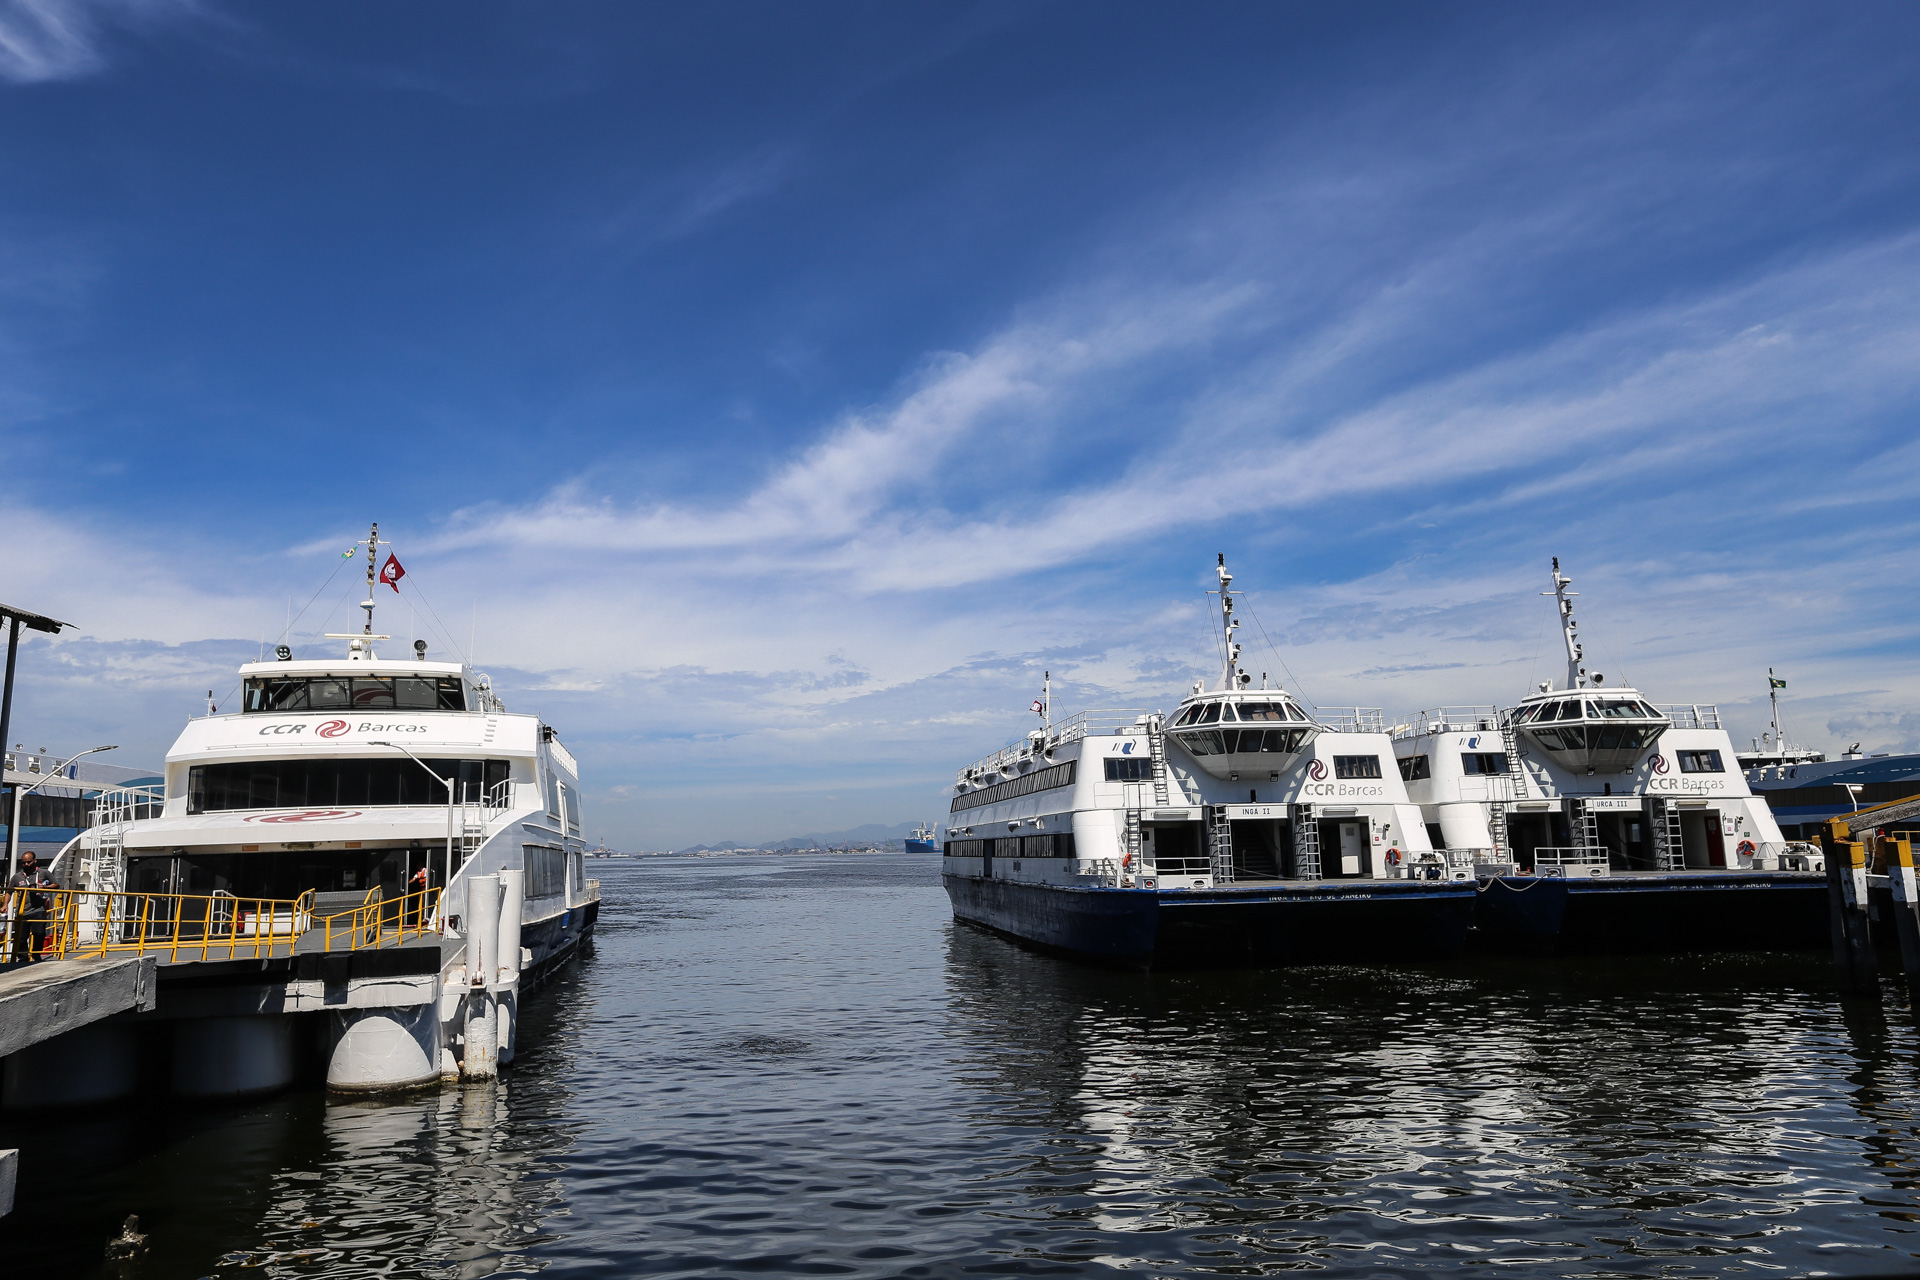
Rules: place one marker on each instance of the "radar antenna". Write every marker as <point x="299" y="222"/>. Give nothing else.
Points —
<point x="1576" y="673"/>
<point x="1231" y="676"/>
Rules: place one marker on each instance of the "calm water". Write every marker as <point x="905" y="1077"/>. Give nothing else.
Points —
<point x="801" y="1066"/>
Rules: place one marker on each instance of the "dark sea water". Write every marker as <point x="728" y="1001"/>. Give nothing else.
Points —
<point x="802" y="1066"/>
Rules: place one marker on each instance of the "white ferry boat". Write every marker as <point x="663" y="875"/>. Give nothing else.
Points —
<point x="1243" y="829"/>
<point x="1637" y="813"/>
<point x="371" y="792"/>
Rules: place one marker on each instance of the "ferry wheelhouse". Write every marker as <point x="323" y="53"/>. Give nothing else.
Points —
<point x="1592" y="782"/>
<point x="1241" y="829"/>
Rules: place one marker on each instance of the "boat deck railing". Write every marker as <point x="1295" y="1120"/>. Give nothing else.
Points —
<point x="1094" y="723"/>
<point x="1448" y="720"/>
<point x="182" y="927"/>
<point x="1690" y="715"/>
<point x="1351" y="719"/>
<point x="1549" y="858"/>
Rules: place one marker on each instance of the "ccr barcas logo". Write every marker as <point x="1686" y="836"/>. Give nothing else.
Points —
<point x="1317" y="771"/>
<point x="332" y="728"/>
<point x="306" y="815"/>
<point x="1659" y="763"/>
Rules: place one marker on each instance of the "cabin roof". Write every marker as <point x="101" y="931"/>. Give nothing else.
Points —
<point x="348" y="667"/>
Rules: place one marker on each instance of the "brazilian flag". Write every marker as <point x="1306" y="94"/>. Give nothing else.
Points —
<point x="1774" y="682"/>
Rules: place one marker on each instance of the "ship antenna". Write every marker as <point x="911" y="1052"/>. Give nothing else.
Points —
<point x="373" y="544"/>
<point x="1570" y="629"/>
<point x="1228" y="625"/>
<point x="1773" y="695"/>
<point x="1046" y="702"/>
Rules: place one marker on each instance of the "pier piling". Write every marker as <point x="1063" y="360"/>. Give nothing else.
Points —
<point x="1855" y="965"/>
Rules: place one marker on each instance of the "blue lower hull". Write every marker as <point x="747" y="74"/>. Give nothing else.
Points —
<point x="1690" y="911"/>
<point x="555" y="938"/>
<point x="922" y="846"/>
<point x="1272" y="924"/>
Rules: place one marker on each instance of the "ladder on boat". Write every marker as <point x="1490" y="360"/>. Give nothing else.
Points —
<point x="1133" y="842"/>
<point x="1586" y="827"/>
<point x="1220" y="843"/>
<point x="1306" y="843"/>
<point x="1157" y="753"/>
<point x="1669" y="845"/>
<point x="1516" y="790"/>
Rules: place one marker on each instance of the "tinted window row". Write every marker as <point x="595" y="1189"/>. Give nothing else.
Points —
<point x="1415" y="769"/>
<point x="1590" y="709"/>
<point x="321" y="783"/>
<point x="1700" y="762"/>
<point x="1598" y="737"/>
<point x="546" y="870"/>
<point x="1247" y="713"/>
<point x="1054" y="846"/>
<point x="357" y="693"/>
<point x="1215" y="742"/>
<point x="1129" y="769"/>
<point x="1060" y="775"/>
<point x="1356" y="766"/>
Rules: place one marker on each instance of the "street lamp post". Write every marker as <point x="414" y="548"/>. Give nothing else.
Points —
<point x="448" y="783"/>
<point x="19" y="796"/>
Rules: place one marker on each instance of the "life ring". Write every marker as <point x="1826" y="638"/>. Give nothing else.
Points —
<point x="1393" y="856"/>
<point x="1746" y="849"/>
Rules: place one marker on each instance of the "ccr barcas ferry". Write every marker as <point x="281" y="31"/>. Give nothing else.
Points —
<point x="1599" y="821"/>
<point x="376" y="840"/>
<point x="1242" y="829"/>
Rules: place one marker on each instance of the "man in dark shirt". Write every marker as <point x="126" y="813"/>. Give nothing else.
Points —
<point x="32" y="908"/>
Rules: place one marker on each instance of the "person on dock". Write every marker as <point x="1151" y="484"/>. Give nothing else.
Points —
<point x="32" y="908"/>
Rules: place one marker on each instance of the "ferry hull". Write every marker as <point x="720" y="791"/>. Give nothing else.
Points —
<point x="922" y="846"/>
<point x="556" y="938"/>
<point x="1694" y="911"/>
<point x="1268" y="924"/>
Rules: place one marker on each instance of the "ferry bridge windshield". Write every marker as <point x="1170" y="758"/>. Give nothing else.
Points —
<point x="325" y="783"/>
<point x="355" y="693"/>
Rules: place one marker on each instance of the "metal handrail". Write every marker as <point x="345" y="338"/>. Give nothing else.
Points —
<point x="1449" y="720"/>
<point x="1080" y="724"/>
<point x="1575" y="855"/>
<point x="1690" y="715"/>
<point x="379" y="922"/>
<point x="1351" y="719"/>
<point x="84" y="923"/>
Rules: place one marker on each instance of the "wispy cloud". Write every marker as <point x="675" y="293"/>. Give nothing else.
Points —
<point x="42" y="40"/>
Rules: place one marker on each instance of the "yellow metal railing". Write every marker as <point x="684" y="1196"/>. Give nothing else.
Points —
<point x="382" y="922"/>
<point x="81" y="923"/>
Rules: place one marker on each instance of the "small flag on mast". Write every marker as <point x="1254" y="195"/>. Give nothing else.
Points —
<point x="1774" y="682"/>
<point x="391" y="573"/>
<point x="1039" y="708"/>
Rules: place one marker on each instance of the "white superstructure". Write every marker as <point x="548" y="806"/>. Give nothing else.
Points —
<point x="1588" y="779"/>
<point x="1238" y="784"/>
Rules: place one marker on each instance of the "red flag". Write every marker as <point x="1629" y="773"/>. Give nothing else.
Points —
<point x="1039" y="708"/>
<point x="391" y="573"/>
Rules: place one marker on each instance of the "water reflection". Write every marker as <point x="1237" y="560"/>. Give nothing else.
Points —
<point x="1630" y="1115"/>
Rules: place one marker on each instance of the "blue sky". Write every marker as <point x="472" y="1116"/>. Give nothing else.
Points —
<point x="771" y="392"/>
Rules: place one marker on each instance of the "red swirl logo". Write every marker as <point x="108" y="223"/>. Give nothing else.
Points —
<point x="332" y="729"/>
<point x="306" y="815"/>
<point x="1659" y="764"/>
<point x="1317" y="771"/>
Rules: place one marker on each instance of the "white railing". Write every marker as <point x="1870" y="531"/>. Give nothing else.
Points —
<point x="117" y="805"/>
<point x="1104" y="870"/>
<point x="1449" y="720"/>
<point x="1006" y="762"/>
<point x="1351" y="719"/>
<point x="1690" y="715"/>
<point x="1571" y="860"/>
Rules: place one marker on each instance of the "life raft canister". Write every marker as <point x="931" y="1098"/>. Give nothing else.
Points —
<point x="1746" y="849"/>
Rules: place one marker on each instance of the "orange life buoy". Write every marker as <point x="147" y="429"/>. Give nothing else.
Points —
<point x="1745" y="849"/>
<point x="1393" y="856"/>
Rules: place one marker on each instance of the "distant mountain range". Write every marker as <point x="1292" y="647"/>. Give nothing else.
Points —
<point x="868" y="833"/>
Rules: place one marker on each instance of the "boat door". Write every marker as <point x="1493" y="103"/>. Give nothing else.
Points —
<point x="1258" y="845"/>
<point x="1346" y="848"/>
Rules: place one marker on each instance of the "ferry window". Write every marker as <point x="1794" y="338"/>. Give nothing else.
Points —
<point x="1202" y="744"/>
<point x="572" y="800"/>
<point x="1129" y="769"/>
<point x="1257" y="711"/>
<point x="1264" y="740"/>
<point x="553" y="795"/>
<point x="1188" y="716"/>
<point x="1413" y="768"/>
<point x="1628" y="710"/>
<point x="546" y="870"/>
<point x="1481" y="762"/>
<point x="342" y="693"/>
<point x="1700" y="762"/>
<point x="319" y="782"/>
<point x="1571" y="711"/>
<point x="1356" y="766"/>
<point x="1210" y="713"/>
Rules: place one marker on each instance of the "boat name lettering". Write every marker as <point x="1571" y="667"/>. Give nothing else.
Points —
<point x="1698" y="786"/>
<point x="266" y="729"/>
<point x="1341" y="791"/>
<point x="374" y="726"/>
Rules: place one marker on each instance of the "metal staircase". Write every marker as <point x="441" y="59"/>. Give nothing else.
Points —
<point x="1497" y="830"/>
<point x="1220" y="843"/>
<point x="1306" y="843"/>
<point x="1586" y="827"/>
<point x="1669" y="845"/>
<point x="1133" y="842"/>
<point x="1157" y="753"/>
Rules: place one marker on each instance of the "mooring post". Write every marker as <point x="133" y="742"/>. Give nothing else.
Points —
<point x="1898" y="855"/>
<point x="1855" y="967"/>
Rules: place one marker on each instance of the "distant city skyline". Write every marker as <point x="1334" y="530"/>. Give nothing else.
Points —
<point x="768" y="394"/>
